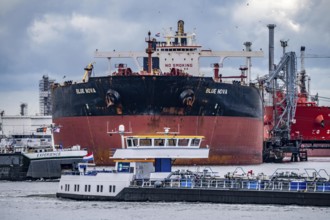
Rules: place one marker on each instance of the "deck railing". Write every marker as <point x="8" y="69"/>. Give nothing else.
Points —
<point x="226" y="184"/>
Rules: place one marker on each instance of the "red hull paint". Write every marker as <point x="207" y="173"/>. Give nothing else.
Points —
<point x="232" y="140"/>
<point x="307" y="126"/>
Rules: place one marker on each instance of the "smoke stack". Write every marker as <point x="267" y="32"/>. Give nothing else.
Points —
<point x="271" y="28"/>
<point x="23" y="108"/>
<point x="302" y="57"/>
<point x="302" y="84"/>
<point x="180" y="28"/>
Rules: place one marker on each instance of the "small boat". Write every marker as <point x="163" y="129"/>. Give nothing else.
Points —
<point x="34" y="156"/>
<point x="143" y="172"/>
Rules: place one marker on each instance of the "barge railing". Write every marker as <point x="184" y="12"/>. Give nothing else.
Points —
<point x="226" y="184"/>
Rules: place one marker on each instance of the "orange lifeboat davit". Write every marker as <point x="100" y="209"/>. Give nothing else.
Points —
<point x="320" y="120"/>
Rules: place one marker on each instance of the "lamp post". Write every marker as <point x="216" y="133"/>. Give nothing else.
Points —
<point x="1" y="125"/>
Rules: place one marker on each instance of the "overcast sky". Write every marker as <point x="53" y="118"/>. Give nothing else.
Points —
<point x="58" y="37"/>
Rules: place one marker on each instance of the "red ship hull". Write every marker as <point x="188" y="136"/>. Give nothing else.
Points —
<point x="231" y="139"/>
<point x="308" y="125"/>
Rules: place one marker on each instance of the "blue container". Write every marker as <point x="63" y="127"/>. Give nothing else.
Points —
<point x="325" y="187"/>
<point x="295" y="186"/>
<point x="252" y="185"/>
<point x="185" y="183"/>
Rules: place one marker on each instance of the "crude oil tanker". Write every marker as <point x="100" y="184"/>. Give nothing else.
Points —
<point x="168" y="90"/>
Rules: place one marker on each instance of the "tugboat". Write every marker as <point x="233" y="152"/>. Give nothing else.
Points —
<point x="143" y="172"/>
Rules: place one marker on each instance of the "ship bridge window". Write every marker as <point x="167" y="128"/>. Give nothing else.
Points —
<point x="129" y="142"/>
<point x="171" y="142"/>
<point x="145" y="142"/>
<point x="159" y="142"/>
<point x="195" y="142"/>
<point x="132" y="142"/>
<point x="183" y="142"/>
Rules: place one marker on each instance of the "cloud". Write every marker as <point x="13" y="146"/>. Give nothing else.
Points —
<point x="7" y="6"/>
<point x="48" y="29"/>
<point x="57" y="39"/>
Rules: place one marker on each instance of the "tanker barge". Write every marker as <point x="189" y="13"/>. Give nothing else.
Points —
<point x="143" y="172"/>
<point x="168" y="90"/>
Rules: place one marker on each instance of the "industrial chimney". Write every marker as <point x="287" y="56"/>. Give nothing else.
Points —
<point x="271" y="28"/>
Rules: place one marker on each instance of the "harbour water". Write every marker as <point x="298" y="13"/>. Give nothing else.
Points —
<point x="31" y="200"/>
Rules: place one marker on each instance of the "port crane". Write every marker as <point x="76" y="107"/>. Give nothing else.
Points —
<point x="281" y="83"/>
<point x="286" y="87"/>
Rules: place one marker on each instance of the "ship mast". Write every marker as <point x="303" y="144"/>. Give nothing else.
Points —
<point x="150" y="51"/>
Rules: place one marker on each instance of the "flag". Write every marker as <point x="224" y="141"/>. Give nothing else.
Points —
<point x="56" y="129"/>
<point x="89" y="157"/>
<point x="157" y="35"/>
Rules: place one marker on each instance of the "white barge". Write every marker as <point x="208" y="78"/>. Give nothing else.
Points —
<point x="143" y="172"/>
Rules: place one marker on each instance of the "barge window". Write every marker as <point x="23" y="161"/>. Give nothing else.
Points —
<point x="132" y="142"/>
<point x="99" y="188"/>
<point x="183" y="142"/>
<point x="76" y="187"/>
<point x="89" y="188"/>
<point x="129" y="143"/>
<point x="112" y="188"/>
<point x="171" y="142"/>
<point x="85" y="188"/>
<point x="145" y="142"/>
<point x="195" y="142"/>
<point x="159" y="142"/>
<point x="67" y="187"/>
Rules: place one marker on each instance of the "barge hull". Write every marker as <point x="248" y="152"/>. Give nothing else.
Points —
<point x="212" y="196"/>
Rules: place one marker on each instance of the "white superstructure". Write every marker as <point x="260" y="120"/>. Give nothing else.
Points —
<point x="23" y="125"/>
<point x="179" y="53"/>
<point x="143" y="157"/>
